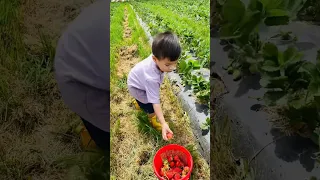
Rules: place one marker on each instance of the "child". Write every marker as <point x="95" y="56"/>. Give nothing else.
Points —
<point x="145" y="78"/>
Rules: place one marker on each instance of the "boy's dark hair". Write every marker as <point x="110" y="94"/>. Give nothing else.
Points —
<point x="166" y="45"/>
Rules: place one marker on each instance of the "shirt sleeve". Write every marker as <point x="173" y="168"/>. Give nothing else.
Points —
<point x="153" y="91"/>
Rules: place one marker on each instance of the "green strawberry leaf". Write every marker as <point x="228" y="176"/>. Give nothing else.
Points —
<point x="273" y="98"/>
<point x="270" y="51"/>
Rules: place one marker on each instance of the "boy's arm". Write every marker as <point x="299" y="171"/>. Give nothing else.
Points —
<point x="158" y="112"/>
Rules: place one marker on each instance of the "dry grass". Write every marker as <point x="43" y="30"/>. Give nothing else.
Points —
<point x="133" y="151"/>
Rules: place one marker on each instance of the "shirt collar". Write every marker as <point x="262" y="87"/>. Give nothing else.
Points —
<point x="155" y="67"/>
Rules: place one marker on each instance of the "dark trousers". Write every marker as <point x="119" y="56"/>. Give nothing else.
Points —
<point x="102" y="140"/>
<point x="100" y="137"/>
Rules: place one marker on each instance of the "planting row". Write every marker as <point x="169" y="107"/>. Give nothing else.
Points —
<point x="187" y="9"/>
<point x="195" y="42"/>
<point x="291" y="83"/>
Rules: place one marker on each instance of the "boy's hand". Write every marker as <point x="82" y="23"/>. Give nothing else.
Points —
<point x="165" y="130"/>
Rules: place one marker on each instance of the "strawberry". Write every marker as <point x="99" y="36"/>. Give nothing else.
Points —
<point x="170" y="158"/>
<point x="186" y="169"/>
<point x="184" y="173"/>
<point x="172" y="164"/>
<point x="170" y="174"/>
<point x="162" y="172"/>
<point x="176" y="158"/>
<point x="177" y="176"/>
<point x="169" y="135"/>
<point x="177" y="170"/>
<point x="178" y="164"/>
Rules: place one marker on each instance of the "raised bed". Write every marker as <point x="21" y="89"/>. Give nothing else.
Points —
<point x="274" y="155"/>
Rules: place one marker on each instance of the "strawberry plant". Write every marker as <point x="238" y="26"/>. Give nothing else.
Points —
<point x="293" y="84"/>
<point x="206" y="124"/>
<point x="244" y="52"/>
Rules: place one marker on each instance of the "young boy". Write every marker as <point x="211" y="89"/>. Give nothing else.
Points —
<point x="145" y="78"/>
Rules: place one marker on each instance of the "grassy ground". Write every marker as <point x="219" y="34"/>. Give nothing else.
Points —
<point x="133" y="142"/>
<point x="36" y="129"/>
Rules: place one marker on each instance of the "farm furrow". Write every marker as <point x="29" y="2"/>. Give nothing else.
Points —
<point x="193" y="38"/>
<point x="132" y="150"/>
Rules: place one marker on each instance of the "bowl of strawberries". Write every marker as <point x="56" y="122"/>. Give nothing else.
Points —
<point x="173" y="162"/>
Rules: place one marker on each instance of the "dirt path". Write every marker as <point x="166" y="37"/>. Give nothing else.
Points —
<point x="132" y="152"/>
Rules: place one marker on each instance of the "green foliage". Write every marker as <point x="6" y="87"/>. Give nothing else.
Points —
<point x="290" y="82"/>
<point x="206" y="125"/>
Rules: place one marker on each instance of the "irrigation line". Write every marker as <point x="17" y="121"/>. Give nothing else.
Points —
<point x="258" y="152"/>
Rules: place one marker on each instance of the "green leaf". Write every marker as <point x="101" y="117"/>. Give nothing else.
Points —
<point x="289" y="54"/>
<point x="208" y="120"/>
<point x="255" y="5"/>
<point x="270" y="51"/>
<point x="270" y="68"/>
<point x="314" y="88"/>
<point x="250" y="22"/>
<point x="248" y="50"/>
<point x="204" y="126"/>
<point x="274" y="4"/>
<point x="233" y="11"/>
<point x="299" y="99"/>
<point x="236" y="74"/>
<point x="251" y="60"/>
<point x="277" y="13"/>
<point x="182" y="65"/>
<point x="253" y="68"/>
<point x="308" y="68"/>
<point x="276" y="21"/>
<point x="227" y="32"/>
<point x="276" y="82"/>
<point x="273" y="98"/>
<point x="294" y="6"/>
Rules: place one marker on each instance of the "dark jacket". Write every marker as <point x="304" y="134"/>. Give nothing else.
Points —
<point x="82" y="67"/>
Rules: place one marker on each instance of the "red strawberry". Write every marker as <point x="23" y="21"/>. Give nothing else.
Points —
<point x="178" y="164"/>
<point x="170" y="158"/>
<point x="170" y="174"/>
<point x="177" y="176"/>
<point x="162" y="172"/>
<point x="169" y="135"/>
<point x="176" y="158"/>
<point x="186" y="169"/>
<point x="172" y="164"/>
<point x="177" y="170"/>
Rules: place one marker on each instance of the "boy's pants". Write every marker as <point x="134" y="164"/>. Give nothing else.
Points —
<point x="148" y="108"/>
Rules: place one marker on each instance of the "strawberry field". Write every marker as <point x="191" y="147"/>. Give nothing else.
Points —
<point x="133" y="142"/>
<point x="269" y="63"/>
<point x="184" y="18"/>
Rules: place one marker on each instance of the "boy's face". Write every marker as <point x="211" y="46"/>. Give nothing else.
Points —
<point x="165" y="65"/>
